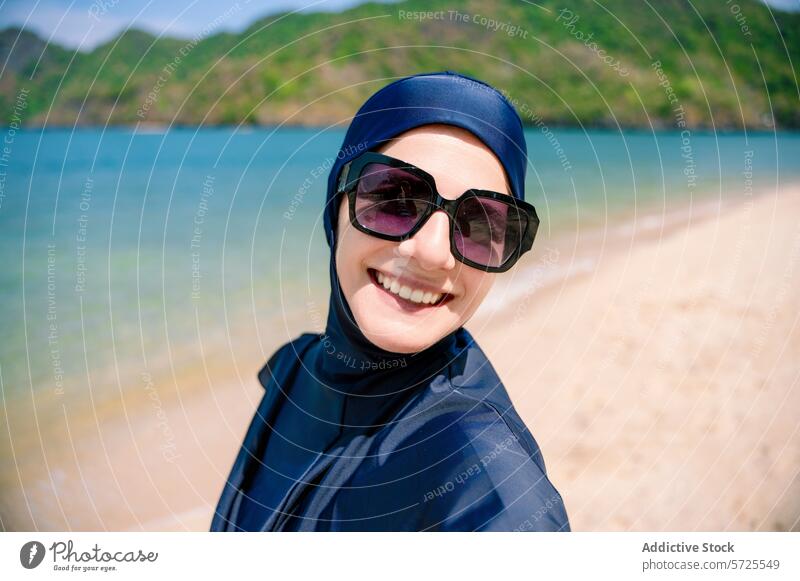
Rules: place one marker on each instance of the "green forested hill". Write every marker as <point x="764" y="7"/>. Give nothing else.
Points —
<point x="720" y="63"/>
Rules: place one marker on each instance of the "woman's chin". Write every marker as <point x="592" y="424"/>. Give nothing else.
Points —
<point x="391" y="334"/>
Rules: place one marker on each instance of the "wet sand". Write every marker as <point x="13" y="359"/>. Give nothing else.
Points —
<point x="661" y="380"/>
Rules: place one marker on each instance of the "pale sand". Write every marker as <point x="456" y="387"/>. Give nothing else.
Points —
<point x="662" y="386"/>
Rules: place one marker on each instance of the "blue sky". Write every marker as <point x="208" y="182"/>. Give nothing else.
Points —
<point x="87" y="23"/>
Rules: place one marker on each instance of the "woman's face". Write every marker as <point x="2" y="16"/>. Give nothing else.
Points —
<point x="458" y="161"/>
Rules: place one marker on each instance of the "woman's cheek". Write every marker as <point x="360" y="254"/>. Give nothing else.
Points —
<point x="476" y="285"/>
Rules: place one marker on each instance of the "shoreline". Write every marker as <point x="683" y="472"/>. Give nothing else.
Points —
<point x="583" y="257"/>
<point x="159" y="128"/>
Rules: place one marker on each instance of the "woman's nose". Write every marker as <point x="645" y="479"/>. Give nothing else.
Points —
<point x="430" y="246"/>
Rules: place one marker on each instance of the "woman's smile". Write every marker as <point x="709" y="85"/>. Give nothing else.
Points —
<point x="409" y="294"/>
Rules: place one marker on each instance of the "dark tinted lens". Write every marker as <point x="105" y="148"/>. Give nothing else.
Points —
<point x="390" y="200"/>
<point x="488" y="231"/>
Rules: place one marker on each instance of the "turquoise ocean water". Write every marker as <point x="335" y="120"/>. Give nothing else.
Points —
<point x="127" y="252"/>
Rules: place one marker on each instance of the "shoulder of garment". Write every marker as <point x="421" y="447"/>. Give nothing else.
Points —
<point x="450" y="462"/>
<point x="285" y="359"/>
<point x="456" y="457"/>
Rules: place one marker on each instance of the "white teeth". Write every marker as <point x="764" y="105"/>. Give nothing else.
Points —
<point x="413" y="295"/>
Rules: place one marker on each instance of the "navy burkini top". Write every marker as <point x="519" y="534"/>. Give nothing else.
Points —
<point x="349" y="437"/>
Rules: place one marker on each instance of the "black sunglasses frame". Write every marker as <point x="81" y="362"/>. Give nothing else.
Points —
<point x="351" y="173"/>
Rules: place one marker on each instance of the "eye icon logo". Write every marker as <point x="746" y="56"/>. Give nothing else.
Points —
<point x="31" y="554"/>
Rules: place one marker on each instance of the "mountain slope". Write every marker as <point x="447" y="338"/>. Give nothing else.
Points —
<point x="609" y="63"/>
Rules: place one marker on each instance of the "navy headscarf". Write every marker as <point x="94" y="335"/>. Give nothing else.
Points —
<point x="352" y="437"/>
<point x="447" y="98"/>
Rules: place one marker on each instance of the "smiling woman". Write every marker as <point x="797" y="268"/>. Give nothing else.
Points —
<point x="394" y="419"/>
<point x="406" y="295"/>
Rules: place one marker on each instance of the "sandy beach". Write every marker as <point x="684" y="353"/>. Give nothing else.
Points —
<point x="661" y="380"/>
<point x="664" y="385"/>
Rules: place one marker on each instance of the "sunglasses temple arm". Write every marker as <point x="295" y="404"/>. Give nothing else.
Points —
<point x="343" y="177"/>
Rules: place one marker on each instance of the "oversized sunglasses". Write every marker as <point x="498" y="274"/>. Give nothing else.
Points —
<point x="392" y="199"/>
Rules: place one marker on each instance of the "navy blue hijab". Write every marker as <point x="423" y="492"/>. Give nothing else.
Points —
<point x="349" y="436"/>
